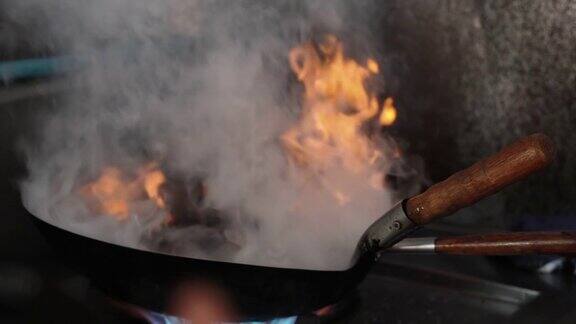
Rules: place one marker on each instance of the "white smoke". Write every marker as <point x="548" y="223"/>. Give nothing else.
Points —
<point x="204" y="88"/>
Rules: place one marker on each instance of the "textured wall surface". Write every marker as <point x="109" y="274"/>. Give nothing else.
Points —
<point x="471" y="76"/>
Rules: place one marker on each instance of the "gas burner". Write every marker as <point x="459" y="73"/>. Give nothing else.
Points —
<point x="326" y="314"/>
<point x="140" y="314"/>
<point x="158" y="318"/>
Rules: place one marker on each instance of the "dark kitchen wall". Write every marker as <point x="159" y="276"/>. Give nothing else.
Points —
<point x="20" y="39"/>
<point x="18" y="237"/>
<point x="19" y="104"/>
<point x="470" y="76"/>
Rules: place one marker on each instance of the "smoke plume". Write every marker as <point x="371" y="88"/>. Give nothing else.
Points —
<point x="204" y="89"/>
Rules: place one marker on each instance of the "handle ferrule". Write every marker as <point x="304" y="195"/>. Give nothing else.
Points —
<point x="414" y="245"/>
<point x="386" y="231"/>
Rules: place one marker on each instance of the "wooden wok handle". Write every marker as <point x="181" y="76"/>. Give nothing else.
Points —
<point x="484" y="178"/>
<point x="563" y="243"/>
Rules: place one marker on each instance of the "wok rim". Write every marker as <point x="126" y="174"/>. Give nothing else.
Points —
<point x="181" y="258"/>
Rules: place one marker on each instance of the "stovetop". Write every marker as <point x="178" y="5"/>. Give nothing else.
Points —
<point x="400" y="289"/>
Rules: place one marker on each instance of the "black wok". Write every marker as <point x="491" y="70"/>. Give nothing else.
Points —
<point x="147" y="279"/>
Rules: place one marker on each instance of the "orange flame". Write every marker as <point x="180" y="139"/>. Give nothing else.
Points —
<point x="114" y="193"/>
<point x="329" y="134"/>
<point x="152" y="182"/>
<point x="111" y="193"/>
<point x="388" y="115"/>
<point x="336" y="105"/>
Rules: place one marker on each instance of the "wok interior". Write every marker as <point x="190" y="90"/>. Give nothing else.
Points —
<point x="219" y="161"/>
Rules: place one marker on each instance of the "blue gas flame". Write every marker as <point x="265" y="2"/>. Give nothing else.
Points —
<point x="158" y="318"/>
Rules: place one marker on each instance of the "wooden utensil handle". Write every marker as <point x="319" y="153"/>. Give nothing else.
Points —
<point x="563" y="243"/>
<point x="464" y="188"/>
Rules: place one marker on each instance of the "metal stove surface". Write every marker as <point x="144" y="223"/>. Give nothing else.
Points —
<point x="414" y="289"/>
